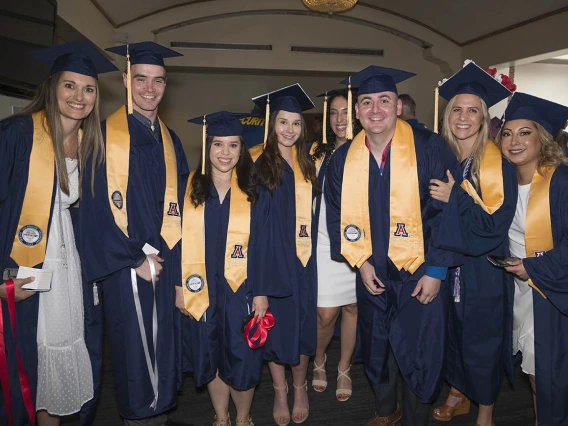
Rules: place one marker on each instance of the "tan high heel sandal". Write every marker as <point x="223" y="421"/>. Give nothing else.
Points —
<point x="222" y="422"/>
<point x="346" y="393"/>
<point x="247" y="422"/>
<point x="281" y="414"/>
<point x="317" y="384"/>
<point x="445" y="413"/>
<point x="303" y="412"/>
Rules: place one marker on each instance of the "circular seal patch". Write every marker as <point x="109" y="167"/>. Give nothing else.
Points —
<point x="352" y="233"/>
<point x="30" y="235"/>
<point x="195" y="283"/>
<point x="117" y="199"/>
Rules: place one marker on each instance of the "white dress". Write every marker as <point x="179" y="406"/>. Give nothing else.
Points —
<point x="65" y="380"/>
<point x="336" y="280"/>
<point x="523" y="315"/>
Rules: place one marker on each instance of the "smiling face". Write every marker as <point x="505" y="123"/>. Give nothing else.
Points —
<point x="466" y="117"/>
<point x="288" y="128"/>
<point x="377" y="112"/>
<point x="224" y="153"/>
<point x="520" y="142"/>
<point x="76" y="95"/>
<point x="338" y="116"/>
<point x="148" y="86"/>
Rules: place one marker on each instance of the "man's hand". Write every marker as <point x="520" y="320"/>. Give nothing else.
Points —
<point x="430" y="288"/>
<point x="143" y="271"/>
<point x="517" y="268"/>
<point x="370" y="279"/>
<point x="179" y="301"/>
<point x="19" y="293"/>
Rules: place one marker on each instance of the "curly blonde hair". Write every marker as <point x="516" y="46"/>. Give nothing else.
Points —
<point x="551" y="154"/>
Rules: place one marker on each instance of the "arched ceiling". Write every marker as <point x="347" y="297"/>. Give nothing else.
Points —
<point x="459" y="21"/>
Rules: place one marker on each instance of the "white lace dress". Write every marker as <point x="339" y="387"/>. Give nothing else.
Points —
<point x="65" y="380"/>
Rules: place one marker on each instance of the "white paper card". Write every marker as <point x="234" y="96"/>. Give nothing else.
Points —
<point x="148" y="249"/>
<point x="42" y="277"/>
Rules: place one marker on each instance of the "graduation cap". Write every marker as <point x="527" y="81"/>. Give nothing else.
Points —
<point x="290" y="98"/>
<point x="146" y="52"/>
<point x="81" y="57"/>
<point x="334" y="92"/>
<point x="220" y="123"/>
<point x="550" y="115"/>
<point x="474" y="80"/>
<point x="373" y="79"/>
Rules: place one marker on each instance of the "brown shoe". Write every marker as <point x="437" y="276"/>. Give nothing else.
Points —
<point x="445" y="413"/>
<point x="392" y="420"/>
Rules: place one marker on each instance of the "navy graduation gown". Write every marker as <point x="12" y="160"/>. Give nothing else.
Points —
<point x="550" y="274"/>
<point x="415" y="332"/>
<point x="107" y="255"/>
<point x="216" y="342"/>
<point x="295" y="329"/>
<point x="16" y="137"/>
<point x="481" y="324"/>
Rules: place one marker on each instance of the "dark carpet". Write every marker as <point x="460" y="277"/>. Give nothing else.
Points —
<point x="513" y="408"/>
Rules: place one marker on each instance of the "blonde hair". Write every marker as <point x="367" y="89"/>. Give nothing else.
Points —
<point x="550" y="155"/>
<point x="91" y="143"/>
<point x="483" y="136"/>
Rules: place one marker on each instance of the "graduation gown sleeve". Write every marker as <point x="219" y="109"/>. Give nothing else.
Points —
<point x="471" y="231"/>
<point x="550" y="272"/>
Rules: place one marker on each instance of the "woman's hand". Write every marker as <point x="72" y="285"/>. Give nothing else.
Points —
<point x="370" y="279"/>
<point x="517" y="268"/>
<point x="441" y="190"/>
<point x="259" y="307"/>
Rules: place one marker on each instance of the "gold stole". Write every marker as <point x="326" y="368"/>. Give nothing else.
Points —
<point x="256" y="151"/>
<point x="538" y="225"/>
<point x="491" y="180"/>
<point x="406" y="245"/>
<point x="30" y="241"/>
<point x="303" y="192"/>
<point x="118" y="160"/>
<point x="195" y="290"/>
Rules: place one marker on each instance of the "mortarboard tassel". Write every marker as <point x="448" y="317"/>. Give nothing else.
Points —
<point x="349" y="131"/>
<point x="128" y="83"/>
<point x="324" y="130"/>
<point x="204" y="138"/>
<point x="436" y="109"/>
<point x="266" y="118"/>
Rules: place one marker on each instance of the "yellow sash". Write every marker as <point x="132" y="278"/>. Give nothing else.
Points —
<point x="256" y="151"/>
<point x="538" y="226"/>
<point x="303" y="193"/>
<point x="406" y="245"/>
<point x="31" y="235"/>
<point x="118" y="160"/>
<point x="490" y="180"/>
<point x="195" y="290"/>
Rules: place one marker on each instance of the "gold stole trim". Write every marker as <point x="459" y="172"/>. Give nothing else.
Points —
<point x="406" y="245"/>
<point x="491" y="180"/>
<point x="118" y="163"/>
<point x="303" y="192"/>
<point x="538" y="225"/>
<point x="194" y="273"/>
<point x="30" y="241"/>
<point x="256" y="151"/>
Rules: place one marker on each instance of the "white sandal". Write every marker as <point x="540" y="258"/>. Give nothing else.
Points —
<point x="319" y="385"/>
<point x="345" y="392"/>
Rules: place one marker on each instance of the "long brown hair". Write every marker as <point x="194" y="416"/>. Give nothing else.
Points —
<point x="272" y="166"/>
<point x="483" y="136"/>
<point x="45" y="100"/>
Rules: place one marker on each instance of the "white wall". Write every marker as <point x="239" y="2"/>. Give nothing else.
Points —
<point x="7" y="103"/>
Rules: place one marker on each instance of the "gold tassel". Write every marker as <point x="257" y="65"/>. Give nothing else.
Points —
<point x="324" y="130"/>
<point x="266" y="118"/>
<point x="349" y="131"/>
<point x="436" y="109"/>
<point x="128" y="83"/>
<point x="204" y="138"/>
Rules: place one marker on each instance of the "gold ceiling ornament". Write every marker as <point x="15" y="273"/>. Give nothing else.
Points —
<point x="330" y="6"/>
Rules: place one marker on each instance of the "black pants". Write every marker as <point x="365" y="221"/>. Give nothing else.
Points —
<point x="414" y="412"/>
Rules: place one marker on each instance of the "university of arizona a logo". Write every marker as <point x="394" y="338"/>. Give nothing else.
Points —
<point x="539" y="253"/>
<point x="303" y="231"/>
<point x="173" y="210"/>
<point x="238" y="252"/>
<point x="400" y="230"/>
